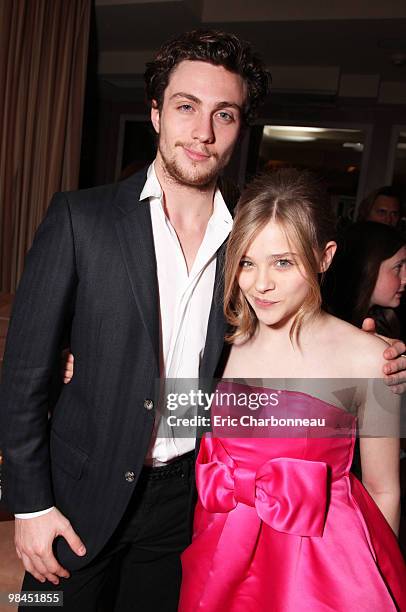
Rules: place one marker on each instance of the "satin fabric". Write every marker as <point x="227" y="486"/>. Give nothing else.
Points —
<point x="281" y="525"/>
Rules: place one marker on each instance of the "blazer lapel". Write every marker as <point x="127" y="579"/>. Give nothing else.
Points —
<point x="215" y="350"/>
<point x="217" y="325"/>
<point x="134" y="230"/>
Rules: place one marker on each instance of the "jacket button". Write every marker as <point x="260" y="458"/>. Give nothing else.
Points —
<point x="129" y="476"/>
<point x="148" y="404"/>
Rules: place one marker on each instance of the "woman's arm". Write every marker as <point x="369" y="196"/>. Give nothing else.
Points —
<point x="380" y="475"/>
<point x="379" y="430"/>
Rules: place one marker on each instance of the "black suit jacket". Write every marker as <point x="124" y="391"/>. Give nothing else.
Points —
<point x="91" y="271"/>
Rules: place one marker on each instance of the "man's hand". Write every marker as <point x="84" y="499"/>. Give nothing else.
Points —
<point x="395" y="369"/>
<point x="368" y="325"/>
<point x="33" y="541"/>
<point x="67" y="365"/>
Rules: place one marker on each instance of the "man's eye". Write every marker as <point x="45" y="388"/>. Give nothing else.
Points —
<point x="185" y="107"/>
<point x="224" y="116"/>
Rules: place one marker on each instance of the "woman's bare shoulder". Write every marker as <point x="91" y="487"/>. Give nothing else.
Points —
<point x="362" y="350"/>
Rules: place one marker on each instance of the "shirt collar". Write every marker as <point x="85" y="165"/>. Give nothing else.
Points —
<point x="153" y="189"/>
<point x="221" y="214"/>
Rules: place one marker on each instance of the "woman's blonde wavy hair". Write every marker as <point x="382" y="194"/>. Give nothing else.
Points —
<point x="296" y="200"/>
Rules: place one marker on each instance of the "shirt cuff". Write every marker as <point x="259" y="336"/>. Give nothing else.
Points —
<point x="28" y="515"/>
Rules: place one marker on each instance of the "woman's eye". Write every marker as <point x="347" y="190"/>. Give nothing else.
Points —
<point x="283" y="263"/>
<point x="245" y="264"/>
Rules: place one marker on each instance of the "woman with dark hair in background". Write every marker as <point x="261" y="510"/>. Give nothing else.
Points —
<point x="367" y="279"/>
<point x="367" y="276"/>
<point x="382" y="205"/>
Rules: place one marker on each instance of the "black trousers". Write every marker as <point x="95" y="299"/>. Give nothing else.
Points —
<point x="139" y="570"/>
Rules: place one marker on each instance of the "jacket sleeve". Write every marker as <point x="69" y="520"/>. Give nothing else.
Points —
<point x="41" y="313"/>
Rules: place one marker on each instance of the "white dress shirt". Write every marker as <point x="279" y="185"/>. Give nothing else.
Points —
<point x="185" y="301"/>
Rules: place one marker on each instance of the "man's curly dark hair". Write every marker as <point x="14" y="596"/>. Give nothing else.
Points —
<point x="217" y="48"/>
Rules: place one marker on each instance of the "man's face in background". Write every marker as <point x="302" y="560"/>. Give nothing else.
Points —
<point x="385" y="209"/>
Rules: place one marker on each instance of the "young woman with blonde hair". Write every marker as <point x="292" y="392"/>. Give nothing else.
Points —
<point x="281" y="524"/>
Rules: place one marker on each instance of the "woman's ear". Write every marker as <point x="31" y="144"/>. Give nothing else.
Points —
<point x="327" y="255"/>
<point x="155" y="115"/>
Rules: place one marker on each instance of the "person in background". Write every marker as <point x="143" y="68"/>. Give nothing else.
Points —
<point x="367" y="277"/>
<point x="382" y="205"/>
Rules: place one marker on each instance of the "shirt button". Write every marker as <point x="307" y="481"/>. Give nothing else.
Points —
<point x="148" y="404"/>
<point x="129" y="476"/>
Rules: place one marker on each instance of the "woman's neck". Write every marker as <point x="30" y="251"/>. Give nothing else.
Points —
<point x="275" y="339"/>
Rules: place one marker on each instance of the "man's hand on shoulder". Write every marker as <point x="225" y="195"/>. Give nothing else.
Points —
<point x="395" y="368"/>
<point x="34" y="538"/>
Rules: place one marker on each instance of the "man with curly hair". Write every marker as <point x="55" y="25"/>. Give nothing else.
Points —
<point x="129" y="271"/>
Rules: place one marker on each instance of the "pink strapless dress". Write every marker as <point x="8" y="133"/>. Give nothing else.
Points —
<point x="281" y="525"/>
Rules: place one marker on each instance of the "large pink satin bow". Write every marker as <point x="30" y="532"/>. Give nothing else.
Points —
<point x="288" y="494"/>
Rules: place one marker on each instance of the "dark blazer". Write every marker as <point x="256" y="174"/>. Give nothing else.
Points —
<point x="91" y="271"/>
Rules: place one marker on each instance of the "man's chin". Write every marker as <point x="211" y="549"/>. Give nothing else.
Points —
<point x="197" y="179"/>
<point x="192" y="175"/>
<point x="200" y="182"/>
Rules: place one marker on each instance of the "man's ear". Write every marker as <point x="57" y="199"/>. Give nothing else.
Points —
<point x="327" y="255"/>
<point x="155" y="115"/>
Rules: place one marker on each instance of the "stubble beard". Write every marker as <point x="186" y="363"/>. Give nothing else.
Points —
<point x="199" y="179"/>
